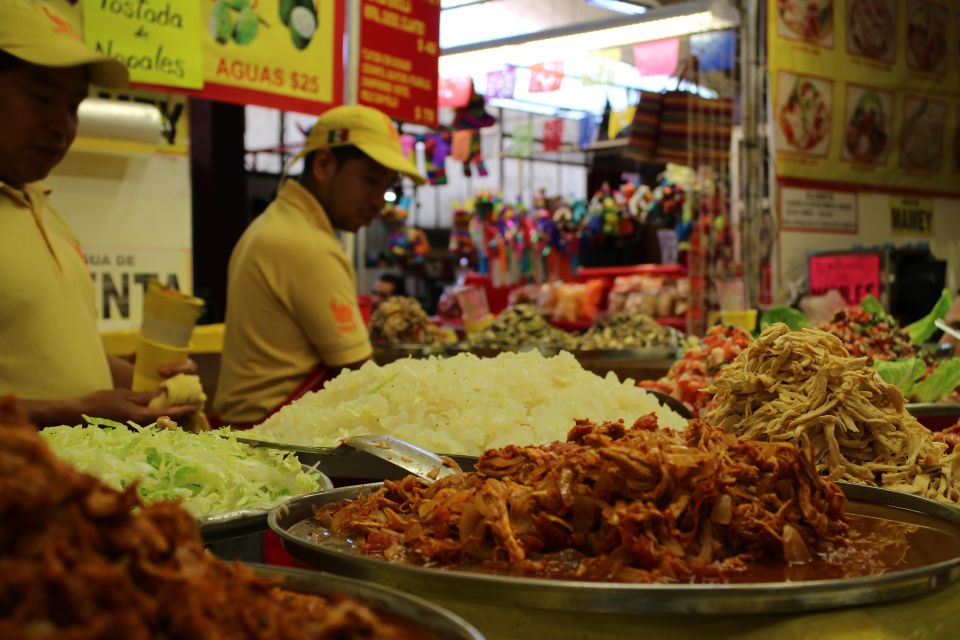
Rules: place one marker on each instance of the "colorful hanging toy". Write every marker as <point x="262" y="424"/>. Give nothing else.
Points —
<point x="405" y="244"/>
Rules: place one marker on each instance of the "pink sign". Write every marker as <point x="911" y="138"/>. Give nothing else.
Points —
<point x="546" y="77"/>
<point x="854" y="275"/>
<point x="454" y="92"/>
<point x="657" y="58"/>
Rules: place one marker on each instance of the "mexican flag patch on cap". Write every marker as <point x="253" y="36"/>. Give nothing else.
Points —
<point x="337" y="136"/>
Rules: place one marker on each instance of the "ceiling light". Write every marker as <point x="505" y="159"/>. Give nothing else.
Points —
<point x="620" y="6"/>
<point x="556" y="44"/>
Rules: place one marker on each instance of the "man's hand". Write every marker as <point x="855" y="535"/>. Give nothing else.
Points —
<point x="189" y="367"/>
<point x="123" y="405"/>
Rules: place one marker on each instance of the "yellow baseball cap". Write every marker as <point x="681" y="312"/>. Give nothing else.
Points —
<point x="36" y="33"/>
<point x="366" y="128"/>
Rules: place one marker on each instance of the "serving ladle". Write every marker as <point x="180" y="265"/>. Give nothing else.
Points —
<point x="423" y="463"/>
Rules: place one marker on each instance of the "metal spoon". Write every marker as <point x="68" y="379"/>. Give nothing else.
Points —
<point x="947" y="329"/>
<point x="671" y="403"/>
<point x="421" y="462"/>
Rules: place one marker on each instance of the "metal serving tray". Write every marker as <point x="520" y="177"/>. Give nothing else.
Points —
<point x="425" y="615"/>
<point x="631" y="599"/>
<point x="234" y="524"/>
<point x="345" y="464"/>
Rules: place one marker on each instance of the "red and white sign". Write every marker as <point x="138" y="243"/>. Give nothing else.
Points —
<point x="454" y="92"/>
<point x="546" y="77"/>
<point x="854" y="275"/>
<point x="399" y="50"/>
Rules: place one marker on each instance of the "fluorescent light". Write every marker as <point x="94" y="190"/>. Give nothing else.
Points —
<point x="556" y="44"/>
<point x="620" y="6"/>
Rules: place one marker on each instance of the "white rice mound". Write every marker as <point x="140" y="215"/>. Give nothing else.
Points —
<point x="462" y="405"/>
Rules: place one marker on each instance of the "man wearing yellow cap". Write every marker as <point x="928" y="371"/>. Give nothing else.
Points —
<point x="51" y="355"/>
<point x="292" y="318"/>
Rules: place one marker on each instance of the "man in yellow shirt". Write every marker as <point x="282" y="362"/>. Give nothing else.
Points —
<point x="51" y="354"/>
<point x="292" y="318"/>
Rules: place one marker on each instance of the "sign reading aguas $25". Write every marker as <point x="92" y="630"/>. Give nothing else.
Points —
<point x="284" y="54"/>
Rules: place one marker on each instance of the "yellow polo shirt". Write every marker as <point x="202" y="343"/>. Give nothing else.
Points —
<point x="50" y="347"/>
<point x="291" y="306"/>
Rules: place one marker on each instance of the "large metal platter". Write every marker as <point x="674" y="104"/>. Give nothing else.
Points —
<point x="344" y="464"/>
<point x="924" y="409"/>
<point x="633" y="599"/>
<point x="385" y="353"/>
<point x="234" y="524"/>
<point x="664" y="352"/>
<point x="425" y="615"/>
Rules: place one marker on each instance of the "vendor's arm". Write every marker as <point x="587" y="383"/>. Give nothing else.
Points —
<point x="121" y="405"/>
<point x="953" y="319"/>
<point x="121" y="370"/>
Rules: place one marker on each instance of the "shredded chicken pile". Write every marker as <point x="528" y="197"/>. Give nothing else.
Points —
<point x="611" y="504"/>
<point x="790" y="386"/>
<point x="76" y="563"/>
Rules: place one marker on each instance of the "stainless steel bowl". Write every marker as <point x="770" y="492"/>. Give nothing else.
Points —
<point x="425" y="615"/>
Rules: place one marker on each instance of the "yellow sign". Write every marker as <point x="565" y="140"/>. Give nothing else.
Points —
<point x="867" y="92"/>
<point x="912" y="216"/>
<point x="158" y="40"/>
<point x="273" y="48"/>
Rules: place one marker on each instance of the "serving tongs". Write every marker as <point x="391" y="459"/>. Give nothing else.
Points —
<point x="423" y="463"/>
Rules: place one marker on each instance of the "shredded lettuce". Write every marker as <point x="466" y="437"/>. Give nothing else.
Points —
<point x="211" y="472"/>
<point x="793" y="318"/>
<point x="922" y="329"/>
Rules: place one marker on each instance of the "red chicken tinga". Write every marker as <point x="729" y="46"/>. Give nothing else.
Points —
<point x="621" y="504"/>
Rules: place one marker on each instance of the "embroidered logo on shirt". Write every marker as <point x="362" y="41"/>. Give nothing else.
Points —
<point x="344" y="317"/>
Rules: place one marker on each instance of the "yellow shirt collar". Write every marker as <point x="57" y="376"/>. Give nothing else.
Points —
<point x="23" y="196"/>
<point x="297" y="196"/>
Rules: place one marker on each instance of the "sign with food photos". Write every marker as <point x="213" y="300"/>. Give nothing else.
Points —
<point x="867" y="92"/>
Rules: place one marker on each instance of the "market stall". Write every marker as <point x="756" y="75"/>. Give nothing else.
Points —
<point x="664" y="347"/>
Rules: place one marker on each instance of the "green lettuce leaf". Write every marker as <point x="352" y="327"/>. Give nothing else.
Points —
<point x="872" y="306"/>
<point x="211" y="472"/>
<point x="902" y="374"/>
<point x="793" y="318"/>
<point x="941" y="382"/>
<point x="921" y="330"/>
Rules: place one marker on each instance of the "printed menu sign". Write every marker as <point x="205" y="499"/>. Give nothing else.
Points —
<point x="284" y="54"/>
<point x="399" y="53"/>
<point x="912" y="216"/>
<point x="867" y="92"/>
<point x="803" y="209"/>
<point x="158" y="41"/>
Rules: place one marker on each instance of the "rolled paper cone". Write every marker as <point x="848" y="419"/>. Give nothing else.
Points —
<point x="169" y="316"/>
<point x="150" y="357"/>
